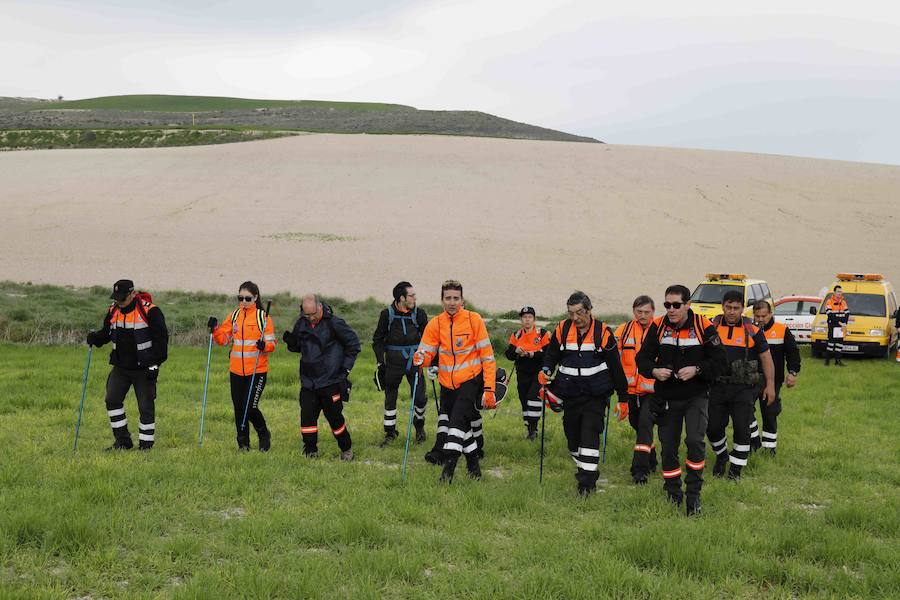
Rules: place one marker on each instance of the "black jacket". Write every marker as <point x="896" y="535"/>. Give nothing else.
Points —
<point x="788" y="352"/>
<point x="395" y="336"/>
<point x="327" y="350"/>
<point x="708" y="355"/>
<point x="125" y="354"/>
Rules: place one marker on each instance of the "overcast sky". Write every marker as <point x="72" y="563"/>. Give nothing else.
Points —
<point x="817" y="78"/>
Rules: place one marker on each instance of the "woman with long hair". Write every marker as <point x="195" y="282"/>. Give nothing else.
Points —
<point x="250" y="345"/>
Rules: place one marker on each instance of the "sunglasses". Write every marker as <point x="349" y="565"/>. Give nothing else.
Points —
<point x="675" y="305"/>
<point x="245" y="298"/>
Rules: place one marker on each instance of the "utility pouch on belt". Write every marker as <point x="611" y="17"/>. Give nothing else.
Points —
<point x="743" y="372"/>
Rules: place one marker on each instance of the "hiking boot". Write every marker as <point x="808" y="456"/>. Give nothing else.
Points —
<point x="721" y="465"/>
<point x="347" y="455"/>
<point x="734" y="473"/>
<point x="839" y="363"/>
<point x="640" y="479"/>
<point x="479" y="453"/>
<point x="532" y="432"/>
<point x="310" y="453"/>
<point x="675" y="499"/>
<point x="243" y="448"/>
<point x="827" y="361"/>
<point x="420" y="431"/>
<point x="389" y="436"/>
<point x="449" y="468"/>
<point x="586" y="490"/>
<point x="473" y="467"/>
<point x="755" y="444"/>
<point x="434" y="457"/>
<point x="145" y="446"/>
<point x="771" y="451"/>
<point x="120" y="445"/>
<point x="265" y="441"/>
<point x="692" y="507"/>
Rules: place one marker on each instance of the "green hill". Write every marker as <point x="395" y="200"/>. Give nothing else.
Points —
<point x="155" y="115"/>
<point x="167" y="103"/>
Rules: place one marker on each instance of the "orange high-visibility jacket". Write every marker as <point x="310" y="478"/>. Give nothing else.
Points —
<point x="629" y="337"/>
<point x="242" y="330"/>
<point x="463" y="347"/>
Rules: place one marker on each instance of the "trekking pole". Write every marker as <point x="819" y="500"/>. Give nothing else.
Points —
<point x="437" y="405"/>
<point x="262" y="336"/>
<point x="606" y="428"/>
<point x="205" y="387"/>
<point x="87" y="368"/>
<point x="412" y="405"/>
<point x="543" y="415"/>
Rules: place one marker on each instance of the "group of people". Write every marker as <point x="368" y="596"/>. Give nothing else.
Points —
<point x="679" y="372"/>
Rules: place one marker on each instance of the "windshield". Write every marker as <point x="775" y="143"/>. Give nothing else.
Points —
<point x="788" y="308"/>
<point x="862" y="305"/>
<point x="712" y="293"/>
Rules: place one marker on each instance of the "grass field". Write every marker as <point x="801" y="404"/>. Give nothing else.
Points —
<point x="819" y="520"/>
<point x="41" y="139"/>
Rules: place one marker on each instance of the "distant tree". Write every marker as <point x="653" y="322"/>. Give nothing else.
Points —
<point x="59" y="98"/>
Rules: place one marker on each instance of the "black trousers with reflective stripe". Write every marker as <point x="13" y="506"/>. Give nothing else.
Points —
<point x="118" y="383"/>
<point x="583" y="423"/>
<point x="240" y="391"/>
<point x="641" y="419"/>
<point x="394" y="373"/>
<point x="770" y="420"/>
<point x="735" y="402"/>
<point x="691" y="414"/>
<point x="459" y="406"/>
<point x="834" y="347"/>
<point x="528" y="387"/>
<point x="324" y="400"/>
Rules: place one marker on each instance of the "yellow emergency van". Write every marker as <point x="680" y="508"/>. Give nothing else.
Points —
<point x="707" y="297"/>
<point x="872" y="305"/>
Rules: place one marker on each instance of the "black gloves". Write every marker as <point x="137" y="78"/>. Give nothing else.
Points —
<point x="92" y="338"/>
<point x="261" y="345"/>
<point x="212" y="323"/>
<point x="291" y="340"/>
<point x="153" y="373"/>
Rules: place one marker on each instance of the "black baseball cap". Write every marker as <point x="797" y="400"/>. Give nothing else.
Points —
<point x="527" y="310"/>
<point x="121" y="289"/>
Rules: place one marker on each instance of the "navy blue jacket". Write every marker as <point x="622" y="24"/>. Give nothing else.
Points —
<point x="327" y="351"/>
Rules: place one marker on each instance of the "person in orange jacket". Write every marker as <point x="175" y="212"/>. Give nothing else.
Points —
<point x="838" y="314"/>
<point x="242" y="330"/>
<point x="466" y="371"/>
<point x="526" y="348"/>
<point x="629" y="338"/>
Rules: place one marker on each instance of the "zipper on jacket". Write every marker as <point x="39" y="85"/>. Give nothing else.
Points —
<point x="452" y="352"/>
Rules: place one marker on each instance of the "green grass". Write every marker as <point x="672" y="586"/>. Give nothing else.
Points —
<point x="39" y="139"/>
<point x="49" y="314"/>
<point x="175" y="103"/>
<point x="820" y="520"/>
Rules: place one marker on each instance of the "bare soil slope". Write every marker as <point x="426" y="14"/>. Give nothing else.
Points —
<point x="517" y="221"/>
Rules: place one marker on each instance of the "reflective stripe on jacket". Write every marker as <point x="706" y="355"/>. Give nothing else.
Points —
<point x="242" y="330"/>
<point x="629" y="337"/>
<point x="135" y="321"/>
<point x="463" y="348"/>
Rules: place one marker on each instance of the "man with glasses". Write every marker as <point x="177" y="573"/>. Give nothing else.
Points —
<point x="683" y="354"/>
<point x="328" y="348"/>
<point x="589" y="370"/>
<point x="394" y="342"/>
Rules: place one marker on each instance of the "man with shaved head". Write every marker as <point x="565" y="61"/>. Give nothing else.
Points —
<point x="328" y="349"/>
